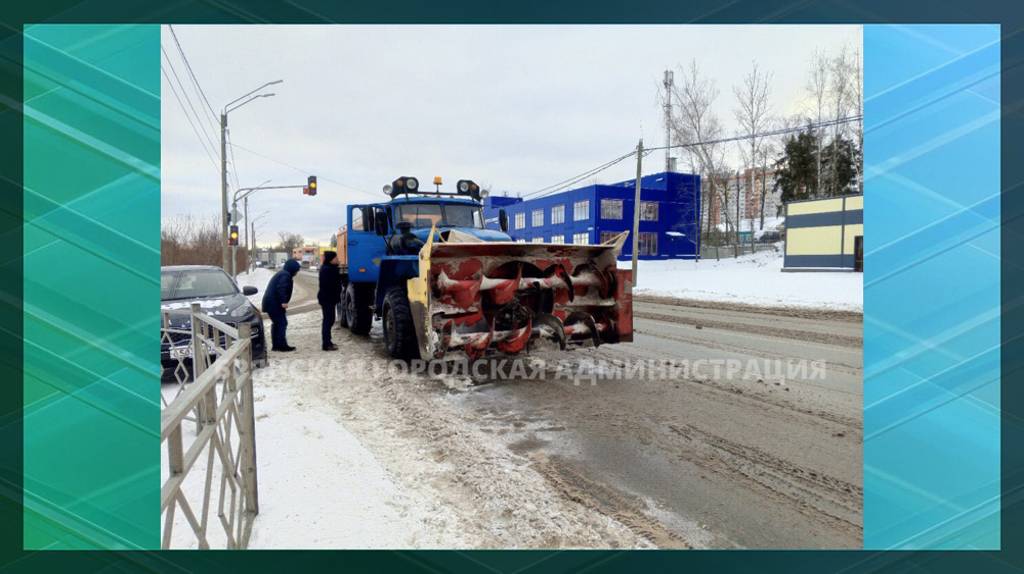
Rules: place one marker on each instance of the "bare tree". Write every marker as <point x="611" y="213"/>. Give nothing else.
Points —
<point x="289" y="241"/>
<point x="185" y="240"/>
<point x="817" y="88"/>
<point x="839" y="92"/>
<point x="753" y="115"/>
<point x="696" y="125"/>
<point x="768" y="149"/>
<point x="856" y="73"/>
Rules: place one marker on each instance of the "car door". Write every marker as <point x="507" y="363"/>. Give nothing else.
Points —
<point x="365" y="247"/>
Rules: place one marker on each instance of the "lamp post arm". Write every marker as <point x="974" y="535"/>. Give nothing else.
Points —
<point x="242" y="97"/>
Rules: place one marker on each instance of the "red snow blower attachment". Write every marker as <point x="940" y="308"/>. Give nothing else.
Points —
<point x="479" y="297"/>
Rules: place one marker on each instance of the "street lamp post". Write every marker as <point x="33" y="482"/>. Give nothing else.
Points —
<point x="230" y="107"/>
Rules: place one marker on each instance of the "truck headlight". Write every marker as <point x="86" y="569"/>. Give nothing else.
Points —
<point x="402" y="185"/>
<point x="468" y="186"/>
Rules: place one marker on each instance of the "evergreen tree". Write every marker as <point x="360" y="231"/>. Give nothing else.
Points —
<point x="796" y="171"/>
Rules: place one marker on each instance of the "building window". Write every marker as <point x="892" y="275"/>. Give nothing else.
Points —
<point x="580" y="238"/>
<point x="648" y="243"/>
<point x="538" y="218"/>
<point x="537" y="240"/>
<point x="558" y="239"/>
<point x="557" y="214"/>
<point x="607" y="236"/>
<point x="649" y="211"/>
<point x="520" y="220"/>
<point x="581" y="210"/>
<point x="611" y="209"/>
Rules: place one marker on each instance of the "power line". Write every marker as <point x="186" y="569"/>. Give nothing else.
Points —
<point x="300" y="169"/>
<point x="577" y="178"/>
<point x="191" y="74"/>
<point x="778" y="132"/>
<point x="566" y="183"/>
<point x="188" y="100"/>
<point x="189" y="118"/>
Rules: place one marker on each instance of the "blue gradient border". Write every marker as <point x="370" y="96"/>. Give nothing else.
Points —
<point x="932" y="287"/>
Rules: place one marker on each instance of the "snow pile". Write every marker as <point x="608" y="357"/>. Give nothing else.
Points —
<point x="755" y="279"/>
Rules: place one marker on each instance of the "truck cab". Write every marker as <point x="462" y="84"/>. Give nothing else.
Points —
<point x="379" y="245"/>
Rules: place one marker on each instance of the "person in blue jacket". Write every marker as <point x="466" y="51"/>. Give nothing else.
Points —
<point x="275" y="304"/>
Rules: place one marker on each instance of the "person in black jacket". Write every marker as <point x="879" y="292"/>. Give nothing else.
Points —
<point x="275" y="304"/>
<point x="328" y="296"/>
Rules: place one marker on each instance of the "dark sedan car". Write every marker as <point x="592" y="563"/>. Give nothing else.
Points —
<point x="218" y="296"/>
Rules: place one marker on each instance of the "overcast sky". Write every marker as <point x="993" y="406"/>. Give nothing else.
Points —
<point x="515" y="108"/>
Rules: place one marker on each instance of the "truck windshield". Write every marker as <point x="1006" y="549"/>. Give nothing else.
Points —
<point x="441" y="215"/>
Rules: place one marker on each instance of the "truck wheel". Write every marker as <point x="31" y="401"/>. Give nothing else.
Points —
<point x="399" y="331"/>
<point x="357" y="310"/>
<point x="342" y="309"/>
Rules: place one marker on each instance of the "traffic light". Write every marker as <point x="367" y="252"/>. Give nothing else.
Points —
<point x="233" y="236"/>
<point x="310" y="185"/>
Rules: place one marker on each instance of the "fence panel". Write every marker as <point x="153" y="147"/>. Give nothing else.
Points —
<point x="211" y="468"/>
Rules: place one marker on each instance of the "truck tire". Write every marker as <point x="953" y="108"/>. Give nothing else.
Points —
<point x="399" y="331"/>
<point x="341" y="310"/>
<point x="357" y="310"/>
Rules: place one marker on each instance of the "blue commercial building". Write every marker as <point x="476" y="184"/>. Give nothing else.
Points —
<point x="670" y="210"/>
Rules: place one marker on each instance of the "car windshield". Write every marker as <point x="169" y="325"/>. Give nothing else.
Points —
<point x="442" y="215"/>
<point x="197" y="284"/>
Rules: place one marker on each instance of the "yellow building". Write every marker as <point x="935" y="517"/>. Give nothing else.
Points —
<point x="825" y="234"/>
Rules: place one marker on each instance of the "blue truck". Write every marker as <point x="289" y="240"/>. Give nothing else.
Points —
<point x="441" y="283"/>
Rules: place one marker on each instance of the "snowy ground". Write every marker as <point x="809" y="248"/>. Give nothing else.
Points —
<point x="321" y="488"/>
<point x="353" y="459"/>
<point x="755" y="279"/>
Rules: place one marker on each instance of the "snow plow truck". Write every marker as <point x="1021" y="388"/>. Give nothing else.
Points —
<point x="442" y="283"/>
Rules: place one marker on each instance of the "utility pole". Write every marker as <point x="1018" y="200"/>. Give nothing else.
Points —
<point x="636" y="206"/>
<point x="245" y="218"/>
<point x="668" y="83"/>
<point x="738" y="192"/>
<point x="223" y="191"/>
<point x="230" y="107"/>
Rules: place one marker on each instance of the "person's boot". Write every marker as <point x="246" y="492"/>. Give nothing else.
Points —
<point x="330" y="347"/>
<point x="283" y="349"/>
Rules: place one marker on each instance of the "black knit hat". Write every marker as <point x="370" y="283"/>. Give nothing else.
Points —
<point x="329" y="256"/>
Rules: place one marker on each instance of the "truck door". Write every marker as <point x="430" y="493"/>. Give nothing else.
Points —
<point x="365" y="247"/>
